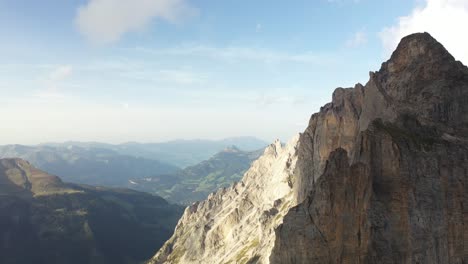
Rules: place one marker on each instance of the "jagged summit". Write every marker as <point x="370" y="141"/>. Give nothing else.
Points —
<point x="418" y="48"/>
<point x="378" y="176"/>
<point x="423" y="57"/>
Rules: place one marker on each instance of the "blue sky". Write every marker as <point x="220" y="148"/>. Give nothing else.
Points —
<point x="155" y="70"/>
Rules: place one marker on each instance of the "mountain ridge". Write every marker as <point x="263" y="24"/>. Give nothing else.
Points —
<point x="196" y="182"/>
<point x="44" y="220"/>
<point x="94" y="166"/>
<point x="179" y="152"/>
<point x="363" y="144"/>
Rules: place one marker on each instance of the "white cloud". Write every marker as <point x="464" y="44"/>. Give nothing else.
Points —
<point x="358" y="39"/>
<point x="445" y="20"/>
<point x="105" y="21"/>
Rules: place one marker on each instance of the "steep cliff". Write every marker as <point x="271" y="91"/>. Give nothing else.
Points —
<point x="401" y="200"/>
<point x="394" y="192"/>
<point x="378" y="176"/>
<point x="236" y="224"/>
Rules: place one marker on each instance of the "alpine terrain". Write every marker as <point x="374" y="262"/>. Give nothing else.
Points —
<point x="378" y="176"/>
<point x="196" y="182"/>
<point x="44" y="220"/>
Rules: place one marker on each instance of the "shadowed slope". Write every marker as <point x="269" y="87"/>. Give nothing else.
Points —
<point x="43" y="220"/>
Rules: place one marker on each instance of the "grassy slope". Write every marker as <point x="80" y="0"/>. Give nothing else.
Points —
<point x="196" y="182"/>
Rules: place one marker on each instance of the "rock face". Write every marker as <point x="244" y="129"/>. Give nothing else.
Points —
<point x="400" y="201"/>
<point x="394" y="191"/>
<point x="236" y="224"/>
<point x="378" y="176"/>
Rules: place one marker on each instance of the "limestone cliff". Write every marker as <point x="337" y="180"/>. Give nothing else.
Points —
<point x="378" y="176"/>
<point x="236" y="224"/>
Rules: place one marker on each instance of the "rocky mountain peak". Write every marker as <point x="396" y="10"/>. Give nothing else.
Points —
<point x="418" y="61"/>
<point x="379" y="174"/>
<point x="417" y="49"/>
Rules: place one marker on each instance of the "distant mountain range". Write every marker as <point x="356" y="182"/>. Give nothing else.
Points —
<point x="134" y="165"/>
<point x="180" y="153"/>
<point x="195" y="182"/>
<point x="87" y="165"/>
<point x="44" y="220"/>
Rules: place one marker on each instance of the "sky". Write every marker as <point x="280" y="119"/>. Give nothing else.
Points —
<point x="156" y="70"/>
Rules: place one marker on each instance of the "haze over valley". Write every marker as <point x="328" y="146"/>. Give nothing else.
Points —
<point x="233" y="132"/>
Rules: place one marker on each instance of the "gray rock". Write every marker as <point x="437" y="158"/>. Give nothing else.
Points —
<point x="378" y="176"/>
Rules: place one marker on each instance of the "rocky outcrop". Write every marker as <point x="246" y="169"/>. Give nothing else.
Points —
<point x="397" y="196"/>
<point x="402" y="200"/>
<point x="378" y="176"/>
<point x="236" y="224"/>
<point x="421" y="79"/>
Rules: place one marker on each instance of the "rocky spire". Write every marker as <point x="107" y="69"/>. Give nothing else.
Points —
<point x="416" y="50"/>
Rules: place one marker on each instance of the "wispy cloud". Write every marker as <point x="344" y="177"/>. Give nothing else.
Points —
<point x="358" y="39"/>
<point x="239" y="53"/>
<point x="144" y="71"/>
<point x="55" y="78"/>
<point x="105" y="21"/>
<point x="270" y="99"/>
<point x="48" y="95"/>
<point x="60" y="73"/>
<point x="172" y="76"/>
<point x="181" y="76"/>
<point x="441" y="18"/>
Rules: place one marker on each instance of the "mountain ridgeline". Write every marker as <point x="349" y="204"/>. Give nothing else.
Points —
<point x="125" y="164"/>
<point x="378" y="176"/>
<point x="180" y="153"/>
<point x="87" y="165"/>
<point x="94" y="165"/>
<point x="196" y="182"/>
<point x="43" y="220"/>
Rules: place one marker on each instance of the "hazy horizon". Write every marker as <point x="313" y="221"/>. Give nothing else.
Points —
<point x="140" y="142"/>
<point x="154" y="71"/>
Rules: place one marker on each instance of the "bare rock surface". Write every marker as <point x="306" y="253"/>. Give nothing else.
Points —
<point x="378" y="176"/>
<point x="236" y="224"/>
<point x="402" y="200"/>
